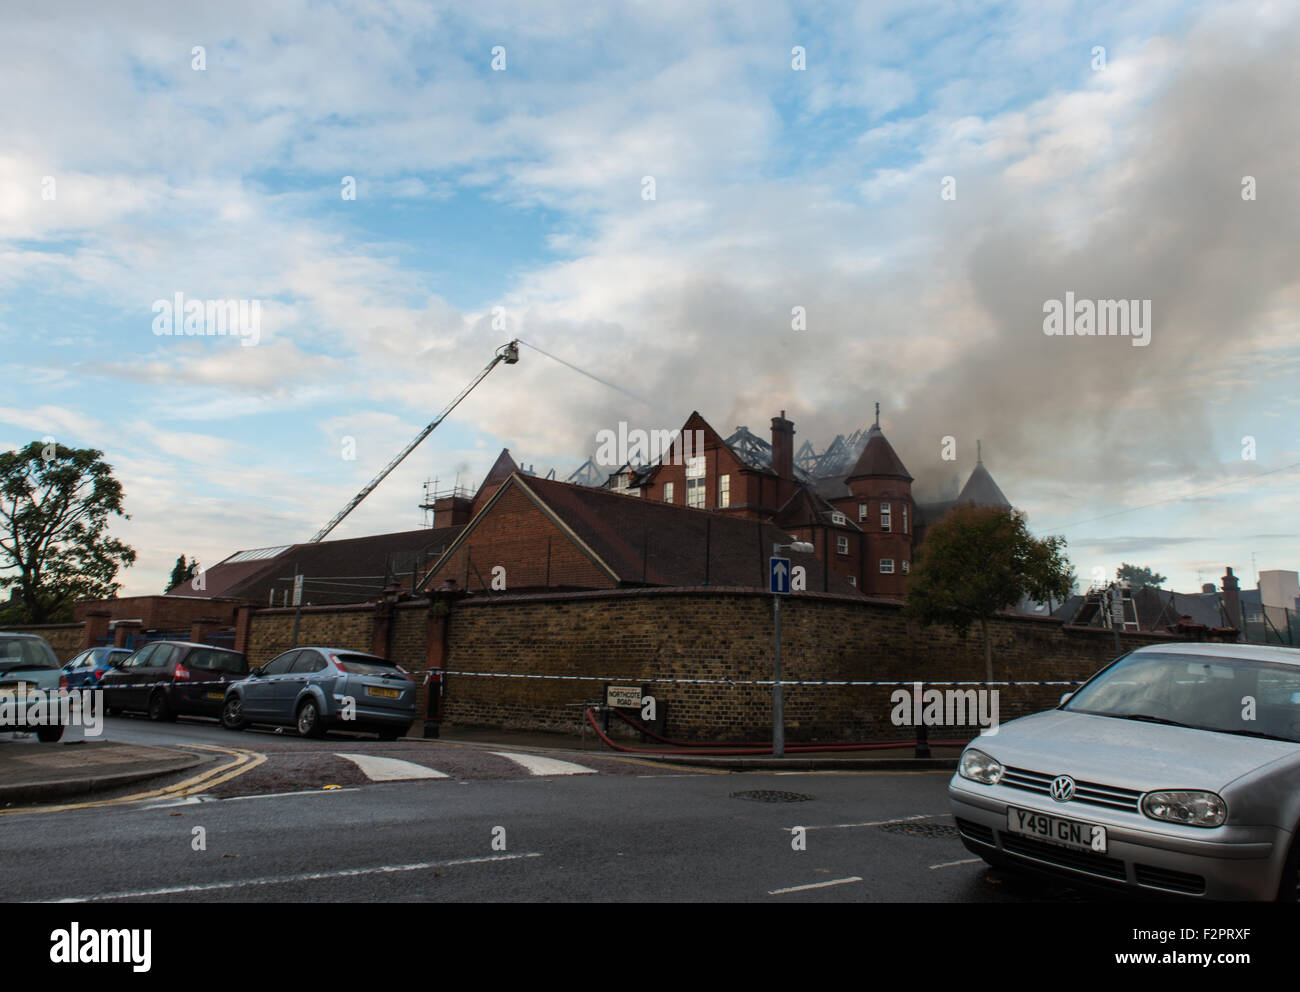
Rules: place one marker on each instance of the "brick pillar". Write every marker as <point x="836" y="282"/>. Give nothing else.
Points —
<point x="95" y="628"/>
<point x="243" y="628"/>
<point x="381" y="628"/>
<point x="435" y="657"/>
<point x="124" y="629"/>
<point x="203" y="628"/>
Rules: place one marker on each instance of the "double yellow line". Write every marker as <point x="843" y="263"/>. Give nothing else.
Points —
<point x="242" y="761"/>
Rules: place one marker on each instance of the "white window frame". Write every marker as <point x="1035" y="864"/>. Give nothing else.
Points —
<point x="838" y="519"/>
<point x="906" y="566"/>
<point x="886" y="520"/>
<point x="724" y="490"/>
<point x="883" y="563"/>
<point x="841" y="545"/>
<point x="696" y="493"/>
<point x="904" y="518"/>
<point x="668" y="492"/>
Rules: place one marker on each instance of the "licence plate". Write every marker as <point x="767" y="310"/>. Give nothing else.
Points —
<point x="216" y="695"/>
<point x="386" y="693"/>
<point x="1076" y="835"/>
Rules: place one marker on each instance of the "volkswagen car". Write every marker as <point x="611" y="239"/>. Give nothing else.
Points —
<point x="1174" y="770"/>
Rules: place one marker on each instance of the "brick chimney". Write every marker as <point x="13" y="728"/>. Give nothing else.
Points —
<point x="1232" y="600"/>
<point x="783" y="447"/>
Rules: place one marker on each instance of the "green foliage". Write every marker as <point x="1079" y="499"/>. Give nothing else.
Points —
<point x="182" y="571"/>
<point x="55" y="507"/>
<point x="1139" y="576"/>
<point x="977" y="561"/>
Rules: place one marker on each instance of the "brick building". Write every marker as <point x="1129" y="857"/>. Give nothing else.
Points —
<point x="856" y="509"/>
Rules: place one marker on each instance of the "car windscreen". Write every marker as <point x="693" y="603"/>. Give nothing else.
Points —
<point x="211" y="660"/>
<point x="364" y="664"/>
<point x="25" y="654"/>
<point x="1227" y="695"/>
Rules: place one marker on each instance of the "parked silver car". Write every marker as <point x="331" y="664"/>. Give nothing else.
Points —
<point x="1175" y="769"/>
<point x="317" y="688"/>
<point x="27" y="663"/>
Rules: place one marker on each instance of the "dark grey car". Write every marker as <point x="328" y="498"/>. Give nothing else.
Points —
<point x="318" y="688"/>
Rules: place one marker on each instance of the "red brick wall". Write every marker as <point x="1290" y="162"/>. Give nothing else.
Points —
<point x="161" y="611"/>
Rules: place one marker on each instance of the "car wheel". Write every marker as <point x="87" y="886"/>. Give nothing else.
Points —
<point x="309" y="721"/>
<point x="49" y="735"/>
<point x="232" y="714"/>
<point x="159" y="711"/>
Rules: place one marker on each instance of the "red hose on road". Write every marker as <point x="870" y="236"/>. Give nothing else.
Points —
<point x="765" y="749"/>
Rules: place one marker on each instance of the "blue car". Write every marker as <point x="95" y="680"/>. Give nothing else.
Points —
<point x="86" y="669"/>
<point x="316" y="688"/>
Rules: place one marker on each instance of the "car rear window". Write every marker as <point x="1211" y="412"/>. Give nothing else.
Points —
<point x="364" y="664"/>
<point x="26" y="653"/>
<point x="210" y="660"/>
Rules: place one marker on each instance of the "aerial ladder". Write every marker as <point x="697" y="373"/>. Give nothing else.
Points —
<point x="508" y="353"/>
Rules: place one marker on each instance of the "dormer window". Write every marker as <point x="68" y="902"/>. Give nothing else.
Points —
<point x="839" y="519"/>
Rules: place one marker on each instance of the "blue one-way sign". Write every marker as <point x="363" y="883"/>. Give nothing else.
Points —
<point x="780" y="574"/>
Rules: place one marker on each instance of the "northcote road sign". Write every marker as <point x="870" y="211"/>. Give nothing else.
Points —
<point x="779" y="574"/>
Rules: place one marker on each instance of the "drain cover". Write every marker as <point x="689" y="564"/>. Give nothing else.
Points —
<point x="940" y="830"/>
<point x="771" y="796"/>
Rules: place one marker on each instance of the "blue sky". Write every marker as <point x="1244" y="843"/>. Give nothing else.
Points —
<point x="774" y="188"/>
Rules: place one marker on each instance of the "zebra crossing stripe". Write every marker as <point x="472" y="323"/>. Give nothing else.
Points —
<point x="379" y="769"/>
<point x="537" y="765"/>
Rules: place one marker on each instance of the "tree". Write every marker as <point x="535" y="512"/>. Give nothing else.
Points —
<point x="977" y="561"/>
<point x="1139" y="577"/>
<point x="182" y="571"/>
<point x="55" y="506"/>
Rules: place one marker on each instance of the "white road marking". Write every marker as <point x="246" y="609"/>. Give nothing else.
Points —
<point x="874" y="823"/>
<point x="286" y="795"/>
<point x="950" y="864"/>
<point x="379" y="769"/>
<point x="814" y="885"/>
<point x="538" y="765"/>
<point x="306" y="877"/>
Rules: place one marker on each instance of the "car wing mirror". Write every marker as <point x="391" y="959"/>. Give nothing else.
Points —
<point x="1065" y="698"/>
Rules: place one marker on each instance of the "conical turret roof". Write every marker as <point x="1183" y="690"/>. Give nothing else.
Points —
<point x="878" y="459"/>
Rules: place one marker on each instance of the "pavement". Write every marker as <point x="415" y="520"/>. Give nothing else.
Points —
<point x="31" y="772"/>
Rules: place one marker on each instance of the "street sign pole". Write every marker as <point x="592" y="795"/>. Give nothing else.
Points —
<point x="779" y="583"/>
<point x="778" y="711"/>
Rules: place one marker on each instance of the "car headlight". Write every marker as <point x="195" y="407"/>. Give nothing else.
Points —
<point x="979" y="767"/>
<point x="1195" y="809"/>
